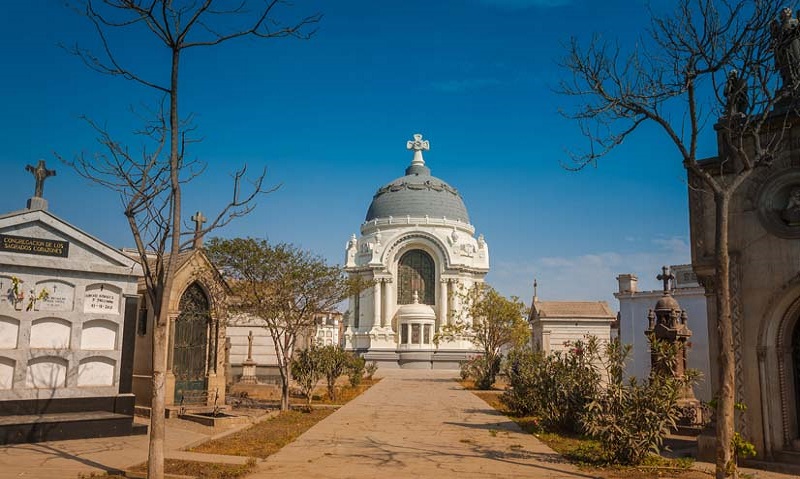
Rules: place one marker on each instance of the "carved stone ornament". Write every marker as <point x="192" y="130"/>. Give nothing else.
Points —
<point x="779" y="204"/>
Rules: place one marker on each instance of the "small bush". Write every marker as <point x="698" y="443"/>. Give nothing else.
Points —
<point x="305" y="369"/>
<point x="371" y="369"/>
<point x="555" y="388"/>
<point x="481" y="371"/>
<point x="355" y="370"/>
<point x="333" y="362"/>
<point x="631" y="417"/>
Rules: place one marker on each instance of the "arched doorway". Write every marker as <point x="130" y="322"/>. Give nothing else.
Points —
<point x="796" y="370"/>
<point x="416" y="271"/>
<point x="190" y="343"/>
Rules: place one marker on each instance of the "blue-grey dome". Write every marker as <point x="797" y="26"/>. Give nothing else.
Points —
<point x="418" y="194"/>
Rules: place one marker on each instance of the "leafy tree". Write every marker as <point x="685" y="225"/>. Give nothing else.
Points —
<point x="709" y="63"/>
<point x="150" y="182"/>
<point x="283" y="285"/>
<point x="492" y="322"/>
<point x="306" y="369"/>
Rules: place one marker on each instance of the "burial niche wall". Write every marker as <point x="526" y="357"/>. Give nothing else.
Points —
<point x="96" y="371"/>
<point x="47" y="372"/>
<point x="50" y="333"/>
<point x="99" y="335"/>
<point x="9" y="332"/>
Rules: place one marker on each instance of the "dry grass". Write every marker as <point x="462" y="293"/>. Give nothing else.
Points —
<point x="267" y="437"/>
<point x="588" y="453"/>
<point x="347" y="393"/>
<point x="202" y="470"/>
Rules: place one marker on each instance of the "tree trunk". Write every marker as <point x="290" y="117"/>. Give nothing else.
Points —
<point x="155" y="456"/>
<point x="284" y="391"/>
<point x="726" y="464"/>
<point x="155" y="460"/>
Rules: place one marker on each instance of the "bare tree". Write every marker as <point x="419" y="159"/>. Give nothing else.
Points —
<point x="284" y="286"/>
<point x="149" y="181"/>
<point x="709" y="63"/>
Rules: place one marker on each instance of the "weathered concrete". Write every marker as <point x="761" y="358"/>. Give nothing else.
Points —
<point x="416" y="423"/>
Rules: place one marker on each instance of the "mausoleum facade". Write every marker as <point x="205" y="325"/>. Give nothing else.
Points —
<point x="418" y="246"/>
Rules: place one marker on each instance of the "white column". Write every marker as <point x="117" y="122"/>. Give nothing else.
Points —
<point x="376" y="302"/>
<point x="443" y="297"/>
<point x="385" y="317"/>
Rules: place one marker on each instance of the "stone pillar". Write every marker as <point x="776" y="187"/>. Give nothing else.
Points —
<point x="443" y="299"/>
<point x="385" y="315"/>
<point x="376" y="302"/>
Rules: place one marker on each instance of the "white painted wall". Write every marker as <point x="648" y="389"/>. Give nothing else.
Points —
<point x="633" y="308"/>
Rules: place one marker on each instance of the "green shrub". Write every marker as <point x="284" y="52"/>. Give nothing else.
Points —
<point x="481" y="371"/>
<point x="333" y="362"/>
<point x="555" y="388"/>
<point x="306" y="371"/>
<point x="355" y="369"/>
<point x="631" y="417"/>
<point x="371" y="369"/>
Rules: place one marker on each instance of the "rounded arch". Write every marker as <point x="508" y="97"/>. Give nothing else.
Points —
<point x="417" y="240"/>
<point x="416" y="274"/>
<point x="779" y="367"/>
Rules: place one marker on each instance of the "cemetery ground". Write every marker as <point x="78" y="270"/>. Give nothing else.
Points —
<point x="411" y="423"/>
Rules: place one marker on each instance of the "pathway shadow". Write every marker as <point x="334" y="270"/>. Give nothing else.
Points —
<point x="51" y="452"/>
<point x="395" y="454"/>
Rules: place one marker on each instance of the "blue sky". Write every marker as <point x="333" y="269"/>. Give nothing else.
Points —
<point x="329" y="118"/>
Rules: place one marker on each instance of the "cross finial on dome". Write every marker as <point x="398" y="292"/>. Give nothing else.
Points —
<point x="666" y="277"/>
<point x="418" y="145"/>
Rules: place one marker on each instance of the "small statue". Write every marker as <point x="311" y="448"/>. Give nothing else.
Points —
<point x="786" y="47"/>
<point x="736" y="95"/>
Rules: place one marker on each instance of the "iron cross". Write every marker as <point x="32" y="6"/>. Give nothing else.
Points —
<point x="40" y="173"/>
<point x="666" y="277"/>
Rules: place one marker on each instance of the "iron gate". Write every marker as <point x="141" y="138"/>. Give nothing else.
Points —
<point x="190" y="346"/>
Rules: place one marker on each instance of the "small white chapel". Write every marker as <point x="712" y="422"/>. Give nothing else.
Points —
<point x="418" y="246"/>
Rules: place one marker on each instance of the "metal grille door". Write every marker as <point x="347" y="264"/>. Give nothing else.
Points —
<point x="190" y="346"/>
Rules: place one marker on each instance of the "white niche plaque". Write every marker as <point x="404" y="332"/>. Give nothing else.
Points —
<point x="60" y="296"/>
<point x="101" y="298"/>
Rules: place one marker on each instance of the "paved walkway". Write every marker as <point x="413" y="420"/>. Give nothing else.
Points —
<point x="416" y="424"/>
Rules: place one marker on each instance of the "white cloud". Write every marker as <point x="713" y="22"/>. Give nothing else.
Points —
<point x="588" y="277"/>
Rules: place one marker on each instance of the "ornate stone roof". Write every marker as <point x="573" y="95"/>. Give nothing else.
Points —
<point x="418" y="194"/>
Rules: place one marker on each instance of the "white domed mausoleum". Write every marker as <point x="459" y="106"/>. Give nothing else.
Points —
<point x="419" y="247"/>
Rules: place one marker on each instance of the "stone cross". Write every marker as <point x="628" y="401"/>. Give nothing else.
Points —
<point x="666" y="277"/>
<point x="250" y="346"/>
<point x="198" y="219"/>
<point x="40" y="173"/>
<point x="418" y="145"/>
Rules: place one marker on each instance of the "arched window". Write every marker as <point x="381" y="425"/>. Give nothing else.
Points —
<point x="416" y="272"/>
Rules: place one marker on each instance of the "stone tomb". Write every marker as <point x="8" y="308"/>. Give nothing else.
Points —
<point x="67" y="315"/>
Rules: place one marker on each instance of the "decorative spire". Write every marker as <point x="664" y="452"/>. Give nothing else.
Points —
<point x="535" y="290"/>
<point x="418" y="145"/>
<point x="416" y="297"/>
